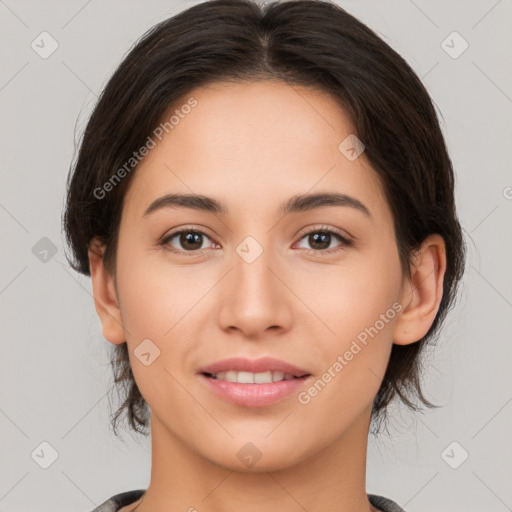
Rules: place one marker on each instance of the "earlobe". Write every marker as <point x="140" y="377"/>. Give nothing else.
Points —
<point x="105" y="296"/>
<point x="422" y="292"/>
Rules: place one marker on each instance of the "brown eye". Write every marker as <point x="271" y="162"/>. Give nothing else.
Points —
<point x="322" y="240"/>
<point x="186" y="240"/>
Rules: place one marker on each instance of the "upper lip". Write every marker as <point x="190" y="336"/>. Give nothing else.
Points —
<point x="263" y="364"/>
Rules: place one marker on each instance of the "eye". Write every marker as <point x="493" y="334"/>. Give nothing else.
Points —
<point x="191" y="240"/>
<point x="188" y="240"/>
<point x="321" y="239"/>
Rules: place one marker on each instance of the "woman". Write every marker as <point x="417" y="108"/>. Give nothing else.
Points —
<point x="265" y="204"/>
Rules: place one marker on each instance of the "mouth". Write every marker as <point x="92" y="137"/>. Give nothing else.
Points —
<point x="253" y="371"/>
<point x="253" y="382"/>
<point x="253" y="378"/>
<point x="254" y="394"/>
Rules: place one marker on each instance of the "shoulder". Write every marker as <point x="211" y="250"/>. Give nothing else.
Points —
<point x="117" y="501"/>
<point x="384" y="504"/>
<point x="114" y="503"/>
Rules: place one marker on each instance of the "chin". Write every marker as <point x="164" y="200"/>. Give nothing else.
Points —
<point x="258" y="456"/>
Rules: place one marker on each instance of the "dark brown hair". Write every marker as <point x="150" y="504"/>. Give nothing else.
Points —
<point x="305" y="42"/>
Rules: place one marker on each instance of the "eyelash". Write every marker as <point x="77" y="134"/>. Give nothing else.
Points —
<point x="345" y="242"/>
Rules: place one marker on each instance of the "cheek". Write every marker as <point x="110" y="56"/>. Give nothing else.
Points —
<point x="157" y="305"/>
<point x="359" y="304"/>
<point x="156" y="298"/>
<point x="166" y="306"/>
<point x="354" y="364"/>
<point x="352" y="296"/>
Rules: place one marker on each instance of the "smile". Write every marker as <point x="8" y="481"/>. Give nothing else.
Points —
<point x="252" y="378"/>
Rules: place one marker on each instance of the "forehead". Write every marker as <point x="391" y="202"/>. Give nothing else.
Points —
<point x="252" y="141"/>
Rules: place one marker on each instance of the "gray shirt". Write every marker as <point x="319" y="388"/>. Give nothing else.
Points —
<point x="118" y="501"/>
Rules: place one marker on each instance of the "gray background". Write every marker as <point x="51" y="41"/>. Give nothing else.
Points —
<point x="55" y="376"/>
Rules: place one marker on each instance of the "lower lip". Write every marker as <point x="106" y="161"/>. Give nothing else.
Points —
<point x="254" y="395"/>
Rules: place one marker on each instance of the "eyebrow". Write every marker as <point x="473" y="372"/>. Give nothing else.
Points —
<point x="298" y="203"/>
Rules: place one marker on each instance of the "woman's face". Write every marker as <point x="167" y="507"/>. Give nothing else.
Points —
<point x="256" y="280"/>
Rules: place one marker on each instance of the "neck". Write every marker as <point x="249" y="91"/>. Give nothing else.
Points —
<point x="332" y="480"/>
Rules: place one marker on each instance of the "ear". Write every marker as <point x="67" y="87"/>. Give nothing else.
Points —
<point x="105" y="295"/>
<point x="422" y="292"/>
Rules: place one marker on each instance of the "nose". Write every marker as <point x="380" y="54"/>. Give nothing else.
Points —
<point x="255" y="298"/>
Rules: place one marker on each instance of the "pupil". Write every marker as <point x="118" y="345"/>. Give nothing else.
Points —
<point x="323" y="239"/>
<point x="189" y="239"/>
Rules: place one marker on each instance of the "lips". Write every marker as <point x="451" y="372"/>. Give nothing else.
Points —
<point x="253" y="366"/>
<point x="253" y="382"/>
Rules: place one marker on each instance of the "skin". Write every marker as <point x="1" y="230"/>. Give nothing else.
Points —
<point x="253" y="146"/>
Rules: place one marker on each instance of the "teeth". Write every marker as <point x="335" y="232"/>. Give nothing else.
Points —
<point x="253" y="378"/>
